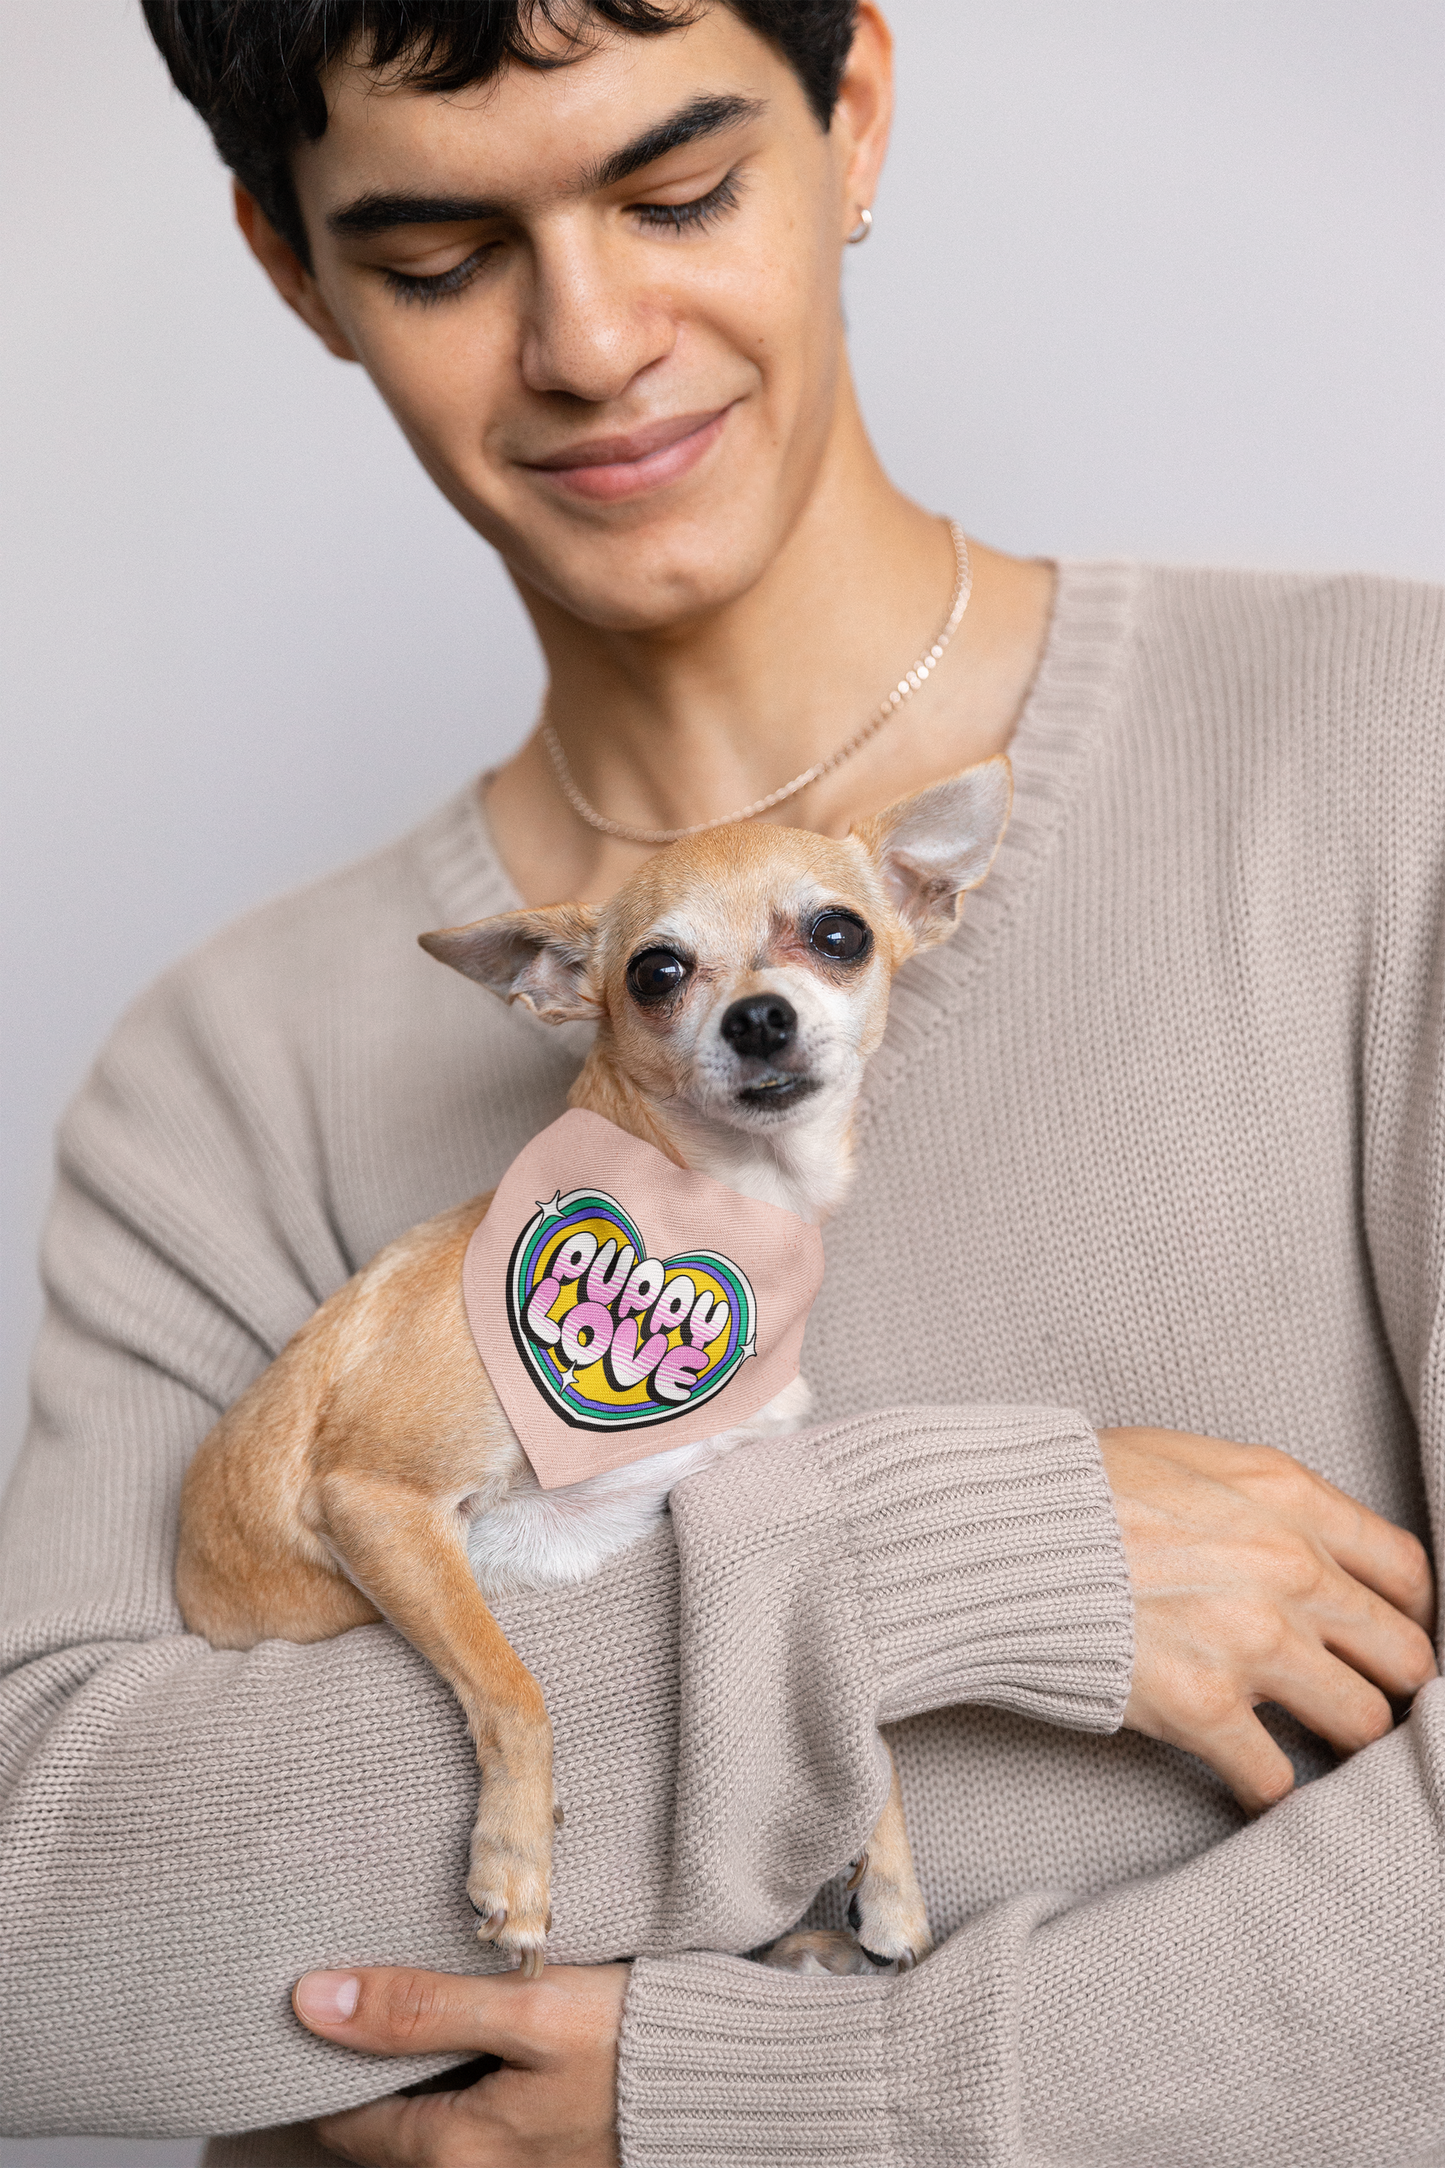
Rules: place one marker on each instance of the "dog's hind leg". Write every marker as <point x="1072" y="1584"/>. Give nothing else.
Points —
<point x="818" y="1950"/>
<point x="408" y="1553"/>
<point x="886" y="1911"/>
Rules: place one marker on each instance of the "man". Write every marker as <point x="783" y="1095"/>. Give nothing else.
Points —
<point x="1157" y="1137"/>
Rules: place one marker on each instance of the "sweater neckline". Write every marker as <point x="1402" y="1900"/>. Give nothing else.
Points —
<point x="1057" y="727"/>
<point x="1073" y="689"/>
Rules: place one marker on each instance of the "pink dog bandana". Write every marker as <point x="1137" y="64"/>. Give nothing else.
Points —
<point x="623" y="1305"/>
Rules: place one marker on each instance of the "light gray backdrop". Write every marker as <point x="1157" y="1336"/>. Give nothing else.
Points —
<point x="1160" y="277"/>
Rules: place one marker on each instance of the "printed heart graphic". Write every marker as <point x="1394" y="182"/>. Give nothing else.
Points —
<point x="614" y="1338"/>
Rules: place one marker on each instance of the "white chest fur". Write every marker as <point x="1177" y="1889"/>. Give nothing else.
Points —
<point x="531" y="1538"/>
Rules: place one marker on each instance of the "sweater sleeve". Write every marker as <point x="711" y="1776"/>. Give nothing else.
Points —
<point x="1278" y="2001"/>
<point x="184" y="1830"/>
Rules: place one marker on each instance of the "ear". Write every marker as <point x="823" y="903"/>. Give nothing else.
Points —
<point x="930" y="849"/>
<point x="290" y="277"/>
<point x="540" y="958"/>
<point x="863" y="113"/>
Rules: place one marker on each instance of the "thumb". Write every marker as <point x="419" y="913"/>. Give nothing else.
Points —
<point x="396" y="2010"/>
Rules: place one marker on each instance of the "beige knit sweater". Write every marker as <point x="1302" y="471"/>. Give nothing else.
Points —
<point x="1159" y="1137"/>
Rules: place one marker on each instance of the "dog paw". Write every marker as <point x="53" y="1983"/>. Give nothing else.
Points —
<point x="509" y="1890"/>
<point x="886" y="1913"/>
<point x="521" y="1934"/>
<point x="815" y="1950"/>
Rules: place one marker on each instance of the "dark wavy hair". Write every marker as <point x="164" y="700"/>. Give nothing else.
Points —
<point x="252" y="68"/>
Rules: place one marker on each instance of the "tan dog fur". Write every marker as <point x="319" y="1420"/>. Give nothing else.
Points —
<point x="342" y="1487"/>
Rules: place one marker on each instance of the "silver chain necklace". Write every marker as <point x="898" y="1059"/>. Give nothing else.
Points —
<point x="907" y="685"/>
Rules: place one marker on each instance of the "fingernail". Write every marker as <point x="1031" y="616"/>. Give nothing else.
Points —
<point x="327" y="1998"/>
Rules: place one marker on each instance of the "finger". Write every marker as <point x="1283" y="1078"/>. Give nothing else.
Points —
<point x="393" y="2132"/>
<point x="396" y="2010"/>
<point x="1369" y="1634"/>
<point x="1328" y="1697"/>
<point x="377" y="2135"/>
<point x="1385" y="1558"/>
<point x="1254" y="1766"/>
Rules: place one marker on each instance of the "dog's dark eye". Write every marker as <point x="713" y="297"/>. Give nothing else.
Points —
<point x="655" y="974"/>
<point x="840" y="937"/>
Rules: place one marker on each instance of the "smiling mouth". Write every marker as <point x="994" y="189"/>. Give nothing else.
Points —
<point x="626" y="466"/>
<point x="778" y="1091"/>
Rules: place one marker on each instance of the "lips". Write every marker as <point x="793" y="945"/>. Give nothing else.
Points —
<point x="606" y="469"/>
<point x="778" y="1091"/>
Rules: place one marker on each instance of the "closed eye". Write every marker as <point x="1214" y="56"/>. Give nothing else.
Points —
<point x="411" y="286"/>
<point x="695" y="215"/>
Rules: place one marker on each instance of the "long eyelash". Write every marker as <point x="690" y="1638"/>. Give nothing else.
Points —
<point x="702" y="211"/>
<point x="408" y="287"/>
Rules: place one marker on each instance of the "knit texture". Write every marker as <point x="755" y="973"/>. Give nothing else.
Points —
<point x="1159" y="1136"/>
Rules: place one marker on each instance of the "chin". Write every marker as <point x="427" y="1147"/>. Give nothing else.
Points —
<point x="642" y="568"/>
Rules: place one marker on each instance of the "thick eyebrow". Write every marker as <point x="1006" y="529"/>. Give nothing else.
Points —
<point x="706" y="116"/>
<point x="379" y="212"/>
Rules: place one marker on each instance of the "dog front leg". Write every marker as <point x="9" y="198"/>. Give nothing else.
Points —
<point x="408" y="1555"/>
<point x="886" y="1910"/>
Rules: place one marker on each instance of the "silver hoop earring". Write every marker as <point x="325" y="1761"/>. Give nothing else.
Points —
<point x="863" y="228"/>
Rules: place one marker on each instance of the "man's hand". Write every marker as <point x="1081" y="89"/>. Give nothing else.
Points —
<point x="1255" y="1580"/>
<point x="554" y="2102"/>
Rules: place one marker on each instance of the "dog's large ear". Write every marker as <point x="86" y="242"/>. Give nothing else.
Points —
<point x="540" y="958"/>
<point x="932" y="848"/>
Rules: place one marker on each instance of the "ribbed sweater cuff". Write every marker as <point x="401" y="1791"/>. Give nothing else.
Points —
<point x="726" y="2064"/>
<point x="724" y="2061"/>
<point x="990" y="1561"/>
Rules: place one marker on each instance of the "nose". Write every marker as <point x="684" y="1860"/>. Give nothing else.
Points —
<point x="587" y="330"/>
<point x="759" y="1024"/>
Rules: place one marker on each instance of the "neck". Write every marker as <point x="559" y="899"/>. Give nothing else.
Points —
<point x="689" y="721"/>
<point x="803" y="1166"/>
<point x="686" y="721"/>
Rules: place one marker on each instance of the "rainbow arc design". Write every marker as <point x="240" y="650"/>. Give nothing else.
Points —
<point x="613" y="1337"/>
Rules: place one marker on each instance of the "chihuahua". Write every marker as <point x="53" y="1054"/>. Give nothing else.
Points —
<point x="739" y="982"/>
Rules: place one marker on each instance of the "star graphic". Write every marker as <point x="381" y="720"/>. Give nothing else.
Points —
<point x="550" y="1209"/>
<point x="569" y="1376"/>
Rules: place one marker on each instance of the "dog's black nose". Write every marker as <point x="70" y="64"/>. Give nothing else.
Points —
<point x="759" y="1024"/>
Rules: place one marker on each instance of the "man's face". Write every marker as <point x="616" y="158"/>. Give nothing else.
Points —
<point x="619" y="360"/>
